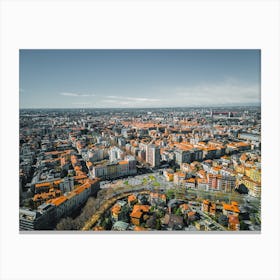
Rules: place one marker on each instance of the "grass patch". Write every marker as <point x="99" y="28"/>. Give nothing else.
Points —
<point x="144" y="181"/>
<point x="152" y="177"/>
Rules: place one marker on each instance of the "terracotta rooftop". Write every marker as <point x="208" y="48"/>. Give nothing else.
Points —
<point x="46" y="184"/>
<point x="116" y="209"/>
<point x="57" y="201"/>
<point x="231" y="207"/>
<point x="138" y="210"/>
<point x="123" y="162"/>
<point x="131" y="198"/>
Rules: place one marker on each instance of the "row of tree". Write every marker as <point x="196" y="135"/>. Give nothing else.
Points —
<point x="77" y="223"/>
<point x="92" y="205"/>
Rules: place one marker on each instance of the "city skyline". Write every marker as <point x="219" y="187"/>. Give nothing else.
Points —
<point x="140" y="170"/>
<point x="138" y="78"/>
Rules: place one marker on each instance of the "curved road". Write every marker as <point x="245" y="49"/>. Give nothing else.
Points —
<point x="104" y="207"/>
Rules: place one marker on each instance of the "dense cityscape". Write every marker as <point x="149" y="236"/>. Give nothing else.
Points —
<point x="158" y="169"/>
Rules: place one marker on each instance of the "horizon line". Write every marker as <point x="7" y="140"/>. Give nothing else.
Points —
<point x="164" y="107"/>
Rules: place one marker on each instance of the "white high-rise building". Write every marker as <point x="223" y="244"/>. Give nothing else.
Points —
<point x="115" y="154"/>
<point x="153" y="155"/>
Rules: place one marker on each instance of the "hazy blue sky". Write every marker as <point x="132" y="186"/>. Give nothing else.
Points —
<point x="138" y="78"/>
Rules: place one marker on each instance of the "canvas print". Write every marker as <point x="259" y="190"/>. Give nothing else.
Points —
<point x="140" y="140"/>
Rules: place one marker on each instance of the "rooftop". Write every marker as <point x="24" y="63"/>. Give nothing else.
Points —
<point x="57" y="201"/>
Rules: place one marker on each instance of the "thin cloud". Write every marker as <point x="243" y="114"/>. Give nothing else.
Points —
<point x="81" y="103"/>
<point x="118" y="103"/>
<point x="134" y="99"/>
<point x="114" y="101"/>
<point x="224" y="92"/>
<point x="74" y="94"/>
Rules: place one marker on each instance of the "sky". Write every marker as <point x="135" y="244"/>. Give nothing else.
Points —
<point x="138" y="78"/>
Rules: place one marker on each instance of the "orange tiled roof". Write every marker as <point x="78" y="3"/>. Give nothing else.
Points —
<point x="144" y="208"/>
<point x="180" y="174"/>
<point x="138" y="228"/>
<point x="70" y="195"/>
<point x="242" y="144"/>
<point x="191" y="213"/>
<point x="136" y="214"/>
<point x="123" y="162"/>
<point x="230" y="207"/>
<point x="234" y="203"/>
<point x="57" y="201"/>
<point x="46" y="184"/>
<point x="131" y="198"/>
<point x="81" y="176"/>
<point x="243" y="157"/>
<point x="184" y="206"/>
<point x="81" y="188"/>
<point x="138" y="210"/>
<point x="54" y="152"/>
<point x="191" y="180"/>
<point x="57" y="182"/>
<point x="98" y="228"/>
<point x="217" y="168"/>
<point x="116" y="209"/>
<point x="158" y="195"/>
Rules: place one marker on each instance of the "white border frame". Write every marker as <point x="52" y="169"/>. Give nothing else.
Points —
<point x="155" y="24"/>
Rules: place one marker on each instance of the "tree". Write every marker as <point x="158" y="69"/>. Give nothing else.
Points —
<point x="160" y="213"/>
<point x="66" y="224"/>
<point x="170" y="194"/>
<point x="158" y="224"/>
<point x="178" y="212"/>
<point x="29" y="203"/>
<point x="106" y="224"/>
<point x="180" y="192"/>
<point x="243" y="226"/>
